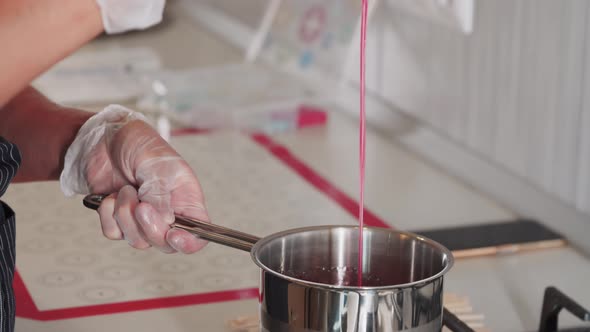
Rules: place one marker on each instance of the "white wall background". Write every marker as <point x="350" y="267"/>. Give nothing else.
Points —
<point x="516" y="92"/>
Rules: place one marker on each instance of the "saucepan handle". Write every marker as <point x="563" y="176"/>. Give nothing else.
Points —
<point x="208" y="231"/>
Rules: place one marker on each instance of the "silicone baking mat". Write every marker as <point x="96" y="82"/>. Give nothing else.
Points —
<point x="66" y="268"/>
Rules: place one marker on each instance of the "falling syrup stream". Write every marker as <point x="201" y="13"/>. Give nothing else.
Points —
<point x="362" y="140"/>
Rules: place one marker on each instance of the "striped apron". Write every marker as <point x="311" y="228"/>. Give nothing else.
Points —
<point x="9" y="162"/>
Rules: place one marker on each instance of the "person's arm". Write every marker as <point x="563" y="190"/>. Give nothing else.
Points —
<point x="42" y="130"/>
<point x="35" y="34"/>
<point x="148" y="179"/>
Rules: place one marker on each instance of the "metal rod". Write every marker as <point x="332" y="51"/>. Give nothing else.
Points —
<point x="217" y="238"/>
<point x="208" y="231"/>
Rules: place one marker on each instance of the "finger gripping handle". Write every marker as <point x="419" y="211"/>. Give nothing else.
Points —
<point x="93" y="201"/>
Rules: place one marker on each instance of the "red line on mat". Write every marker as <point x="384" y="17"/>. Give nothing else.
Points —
<point x="318" y="181"/>
<point x="26" y="307"/>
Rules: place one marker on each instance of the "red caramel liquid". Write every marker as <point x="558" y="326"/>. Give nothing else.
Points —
<point x="359" y="278"/>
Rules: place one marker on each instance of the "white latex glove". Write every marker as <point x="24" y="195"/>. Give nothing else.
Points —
<point x="116" y="151"/>
<point x="124" y="15"/>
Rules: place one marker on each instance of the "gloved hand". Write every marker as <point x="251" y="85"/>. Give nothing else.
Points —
<point x="116" y="151"/>
<point x="124" y="15"/>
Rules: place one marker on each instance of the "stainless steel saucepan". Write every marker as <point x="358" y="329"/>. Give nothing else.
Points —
<point x="309" y="276"/>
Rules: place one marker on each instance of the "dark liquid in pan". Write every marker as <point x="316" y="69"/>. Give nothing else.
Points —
<point x="348" y="276"/>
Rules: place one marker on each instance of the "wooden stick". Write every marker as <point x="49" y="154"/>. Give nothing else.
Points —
<point x="461" y="310"/>
<point x="471" y="317"/>
<point x="463" y="306"/>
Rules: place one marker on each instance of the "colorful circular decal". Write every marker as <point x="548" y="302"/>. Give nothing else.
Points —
<point x="312" y="24"/>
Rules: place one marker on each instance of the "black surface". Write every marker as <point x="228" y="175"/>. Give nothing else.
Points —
<point x="554" y="301"/>
<point x="490" y="235"/>
<point x="453" y="323"/>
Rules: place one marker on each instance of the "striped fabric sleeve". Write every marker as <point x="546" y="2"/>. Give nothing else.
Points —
<point x="7" y="265"/>
<point x="10" y="160"/>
